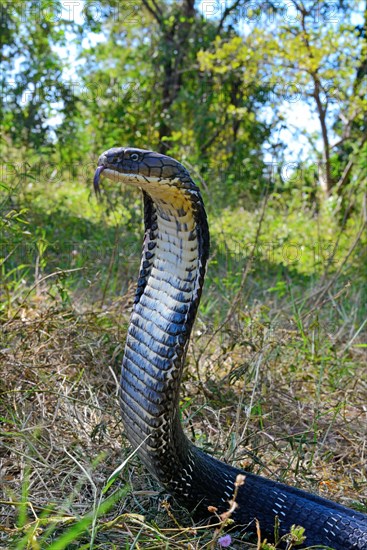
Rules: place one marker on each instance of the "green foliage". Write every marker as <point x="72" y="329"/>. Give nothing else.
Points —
<point x="31" y="80"/>
<point x="66" y="239"/>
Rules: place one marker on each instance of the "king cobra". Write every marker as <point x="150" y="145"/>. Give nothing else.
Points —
<point x="174" y="257"/>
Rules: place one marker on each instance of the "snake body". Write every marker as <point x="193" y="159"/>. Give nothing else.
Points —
<point x="171" y="277"/>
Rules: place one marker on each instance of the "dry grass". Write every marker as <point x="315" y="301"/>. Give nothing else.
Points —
<point x="284" y="401"/>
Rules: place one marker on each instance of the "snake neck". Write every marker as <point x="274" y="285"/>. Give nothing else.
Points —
<point x="169" y="287"/>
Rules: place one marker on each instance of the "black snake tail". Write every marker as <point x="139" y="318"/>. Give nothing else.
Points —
<point x="175" y="252"/>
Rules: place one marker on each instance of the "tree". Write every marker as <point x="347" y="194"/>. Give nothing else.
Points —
<point x="314" y="55"/>
<point x="31" y="81"/>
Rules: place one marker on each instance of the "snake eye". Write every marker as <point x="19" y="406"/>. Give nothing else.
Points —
<point x="134" y="156"/>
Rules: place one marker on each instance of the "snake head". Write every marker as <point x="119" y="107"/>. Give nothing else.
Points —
<point x="139" y="167"/>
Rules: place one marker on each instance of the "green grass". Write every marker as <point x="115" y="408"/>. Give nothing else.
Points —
<point x="51" y="227"/>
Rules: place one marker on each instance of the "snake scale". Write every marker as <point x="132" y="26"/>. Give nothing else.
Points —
<point x="172" y="270"/>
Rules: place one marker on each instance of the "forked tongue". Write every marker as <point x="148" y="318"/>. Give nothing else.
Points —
<point x="96" y="179"/>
